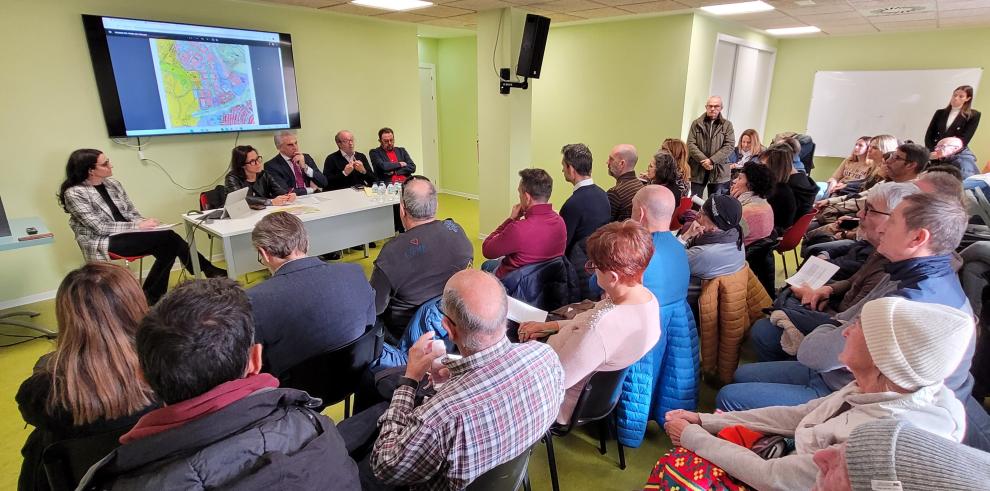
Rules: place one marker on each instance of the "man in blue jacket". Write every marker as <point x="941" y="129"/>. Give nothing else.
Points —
<point x="919" y="239"/>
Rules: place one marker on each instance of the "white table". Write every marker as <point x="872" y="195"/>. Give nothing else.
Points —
<point x="18" y="228"/>
<point x="335" y="220"/>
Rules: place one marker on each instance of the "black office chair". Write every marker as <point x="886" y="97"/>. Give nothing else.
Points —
<point x="67" y="461"/>
<point x="507" y="476"/>
<point x="334" y="375"/>
<point x="596" y="403"/>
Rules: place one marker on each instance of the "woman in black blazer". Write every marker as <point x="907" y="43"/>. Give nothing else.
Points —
<point x="246" y="172"/>
<point x="958" y="119"/>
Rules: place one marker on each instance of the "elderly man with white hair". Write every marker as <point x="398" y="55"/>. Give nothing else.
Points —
<point x="952" y="151"/>
<point x="292" y="168"/>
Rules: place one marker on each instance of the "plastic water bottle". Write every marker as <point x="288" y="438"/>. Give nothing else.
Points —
<point x="398" y="191"/>
<point x="391" y="191"/>
<point x="374" y="191"/>
<point x="381" y="191"/>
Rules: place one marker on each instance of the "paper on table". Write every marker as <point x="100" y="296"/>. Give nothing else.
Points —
<point x="814" y="273"/>
<point x="522" y="312"/>
<point x="164" y="226"/>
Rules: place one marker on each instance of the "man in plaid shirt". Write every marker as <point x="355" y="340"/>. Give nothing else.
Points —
<point x="499" y="400"/>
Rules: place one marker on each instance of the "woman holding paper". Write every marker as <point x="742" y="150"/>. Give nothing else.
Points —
<point x="620" y="329"/>
<point x="106" y="222"/>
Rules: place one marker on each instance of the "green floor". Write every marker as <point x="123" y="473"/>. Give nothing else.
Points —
<point x="579" y="464"/>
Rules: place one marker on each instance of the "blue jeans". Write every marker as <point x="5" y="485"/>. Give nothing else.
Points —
<point x="765" y="339"/>
<point x="776" y="383"/>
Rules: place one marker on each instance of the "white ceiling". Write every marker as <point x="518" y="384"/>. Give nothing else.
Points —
<point x="832" y="16"/>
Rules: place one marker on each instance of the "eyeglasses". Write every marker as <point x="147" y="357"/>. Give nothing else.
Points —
<point x="261" y="260"/>
<point x="943" y="147"/>
<point x="590" y="267"/>
<point x="444" y="314"/>
<point x="713" y="106"/>
<point x="896" y="158"/>
<point x="870" y="209"/>
<point x="256" y="160"/>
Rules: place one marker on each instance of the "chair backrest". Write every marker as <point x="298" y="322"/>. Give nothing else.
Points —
<point x="793" y="235"/>
<point x="507" y="476"/>
<point x="67" y="461"/>
<point x="675" y="219"/>
<point x="334" y="375"/>
<point x="597" y="399"/>
<point x="212" y="199"/>
<point x="548" y="285"/>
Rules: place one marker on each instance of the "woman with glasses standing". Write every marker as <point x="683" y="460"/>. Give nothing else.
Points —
<point x="246" y="171"/>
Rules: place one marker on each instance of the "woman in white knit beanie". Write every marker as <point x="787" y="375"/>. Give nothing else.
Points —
<point x="899" y="351"/>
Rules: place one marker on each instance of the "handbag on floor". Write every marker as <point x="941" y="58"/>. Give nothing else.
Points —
<point x="683" y="470"/>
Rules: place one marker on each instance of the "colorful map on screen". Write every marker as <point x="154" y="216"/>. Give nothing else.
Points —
<point x="203" y="84"/>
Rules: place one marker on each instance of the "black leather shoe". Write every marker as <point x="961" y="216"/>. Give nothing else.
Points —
<point x="332" y="256"/>
<point x="372" y="245"/>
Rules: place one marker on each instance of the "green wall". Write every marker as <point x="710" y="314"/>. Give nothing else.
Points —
<point x="351" y="72"/>
<point x="457" y="94"/>
<point x="428" y="50"/>
<point x="609" y="83"/>
<point x="799" y="59"/>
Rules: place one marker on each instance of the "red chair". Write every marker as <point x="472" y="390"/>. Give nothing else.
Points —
<point x="792" y="237"/>
<point x="675" y="220"/>
<point x="128" y="260"/>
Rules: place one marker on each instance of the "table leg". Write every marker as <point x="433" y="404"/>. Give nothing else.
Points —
<point x="228" y="255"/>
<point x="193" y="251"/>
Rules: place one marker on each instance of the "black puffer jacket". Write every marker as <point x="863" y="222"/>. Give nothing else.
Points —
<point x="270" y="440"/>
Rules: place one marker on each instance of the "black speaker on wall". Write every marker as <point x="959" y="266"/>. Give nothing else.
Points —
<point x="534" y="42"/>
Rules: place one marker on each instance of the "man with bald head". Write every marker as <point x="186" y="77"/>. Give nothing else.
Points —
<point x="498" y="398"/>
<point x="347" y="167"/>
<point x="413" y="267"/>
<point x="668" y="274"/>
<point x="710" y="141"/>
<point x="951" y="151"/>
<point x="622" y="166"/>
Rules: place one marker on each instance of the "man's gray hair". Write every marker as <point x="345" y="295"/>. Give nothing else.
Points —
<point x="282" y="134"/>
<point x="891" y="193"/>
<point x="280" y="234"/>
<point x="420" y="200"/>
<point x="943" y="217"/>
<point x="478" y="331"/>
<point x="944" y="184"/>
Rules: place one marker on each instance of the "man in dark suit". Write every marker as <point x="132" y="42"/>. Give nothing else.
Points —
<point x="389" y="160"/>
<point x="295" y="170"/>
<point x="307" y="306"/>
<point x="587" y="209"/>
<point x="345" y="167"/>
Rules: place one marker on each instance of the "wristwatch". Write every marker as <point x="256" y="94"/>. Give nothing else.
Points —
<point x="408" y="381"/>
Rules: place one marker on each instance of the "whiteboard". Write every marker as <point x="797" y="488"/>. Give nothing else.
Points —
<point x="848" y="105"/>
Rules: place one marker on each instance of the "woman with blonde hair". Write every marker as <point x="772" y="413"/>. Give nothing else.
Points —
<point x="92" y="382"/>
<point x="855" y="167"/>
<point x="678" y="149"/>
<point x="749" y="148"/>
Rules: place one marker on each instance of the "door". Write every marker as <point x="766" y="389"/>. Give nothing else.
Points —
<point x="430" y="164"/>
<point x="741" y="74"/>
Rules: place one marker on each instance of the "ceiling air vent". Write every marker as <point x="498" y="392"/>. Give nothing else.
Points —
<point x="898" y="10"/>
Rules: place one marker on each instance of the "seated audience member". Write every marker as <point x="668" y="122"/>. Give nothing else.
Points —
<point x="751" y="187"/>
<point x="622" y="166"/>
<point x="294" y="170"/>
<point x="851" y="173"/>
<point x="585" y="210"/>
<point x="246" y="172"/>
<point x="307" y="307"/>
<point x="668" y="273"/>
<point x="717" y="248"/>
<point x="807" y="308"/>
<point x="942" y="180"/>
<point x="678" y="149"/>
<point x="473" y="423"/>
<point x="663" y="171"/>
<point x="951" y="151"/>
<point x="224" y="424"/>
<point x="749" y="149"/>
<point x="390" y="162"/>
<point x="901" y="455"/>
<point x="533" y="233"/>
<point x="346" y="167"/>
<point x="413" y="267"/>
<point x="904" y="164"/>
<point x="618" y="330"/>
<point x="793" y="193"/>
<point x="106" y="222"/>
<point x="91" y="383"/>
<point x="899" y="353"/>
<point x="789" y="138"/>
<point x="919" y="239"/>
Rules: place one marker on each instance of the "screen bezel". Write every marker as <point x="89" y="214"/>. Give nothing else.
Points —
<point x="106" y="83"/>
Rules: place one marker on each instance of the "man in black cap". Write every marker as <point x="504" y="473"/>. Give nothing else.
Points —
<point x="716" y="249"/>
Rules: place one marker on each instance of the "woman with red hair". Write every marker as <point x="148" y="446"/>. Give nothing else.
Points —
<point x="619" y="329"/>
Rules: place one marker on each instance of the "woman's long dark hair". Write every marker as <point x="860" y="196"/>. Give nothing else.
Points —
<point x="238" y="159"/>
<point x="666" y="171"/>
<point x="967" y="108"/>
<point x="77" y="170"/>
